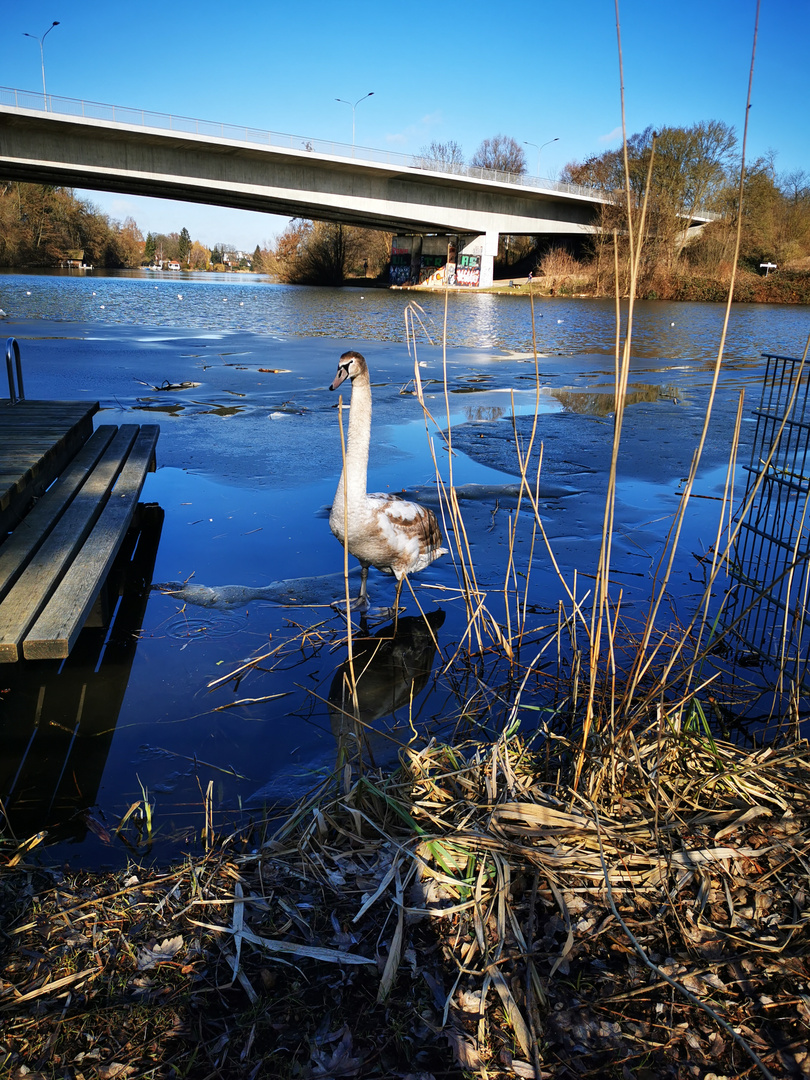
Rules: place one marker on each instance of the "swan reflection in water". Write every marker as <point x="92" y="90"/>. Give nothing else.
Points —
<point x="391" y="672"/>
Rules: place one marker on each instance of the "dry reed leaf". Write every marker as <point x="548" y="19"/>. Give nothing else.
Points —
<point x="25" y="847"/>
<point x="519" y="1025"/>
<point x="395" y="951"/>
<point x="750" y="814"/>
<point x="533" y="816"/>
<point x="237" y="925"/>
<point x="696" y="857"/>
<point x="292" y="948"/>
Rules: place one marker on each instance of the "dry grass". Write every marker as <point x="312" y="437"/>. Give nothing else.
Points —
<point x="468" y="915"/>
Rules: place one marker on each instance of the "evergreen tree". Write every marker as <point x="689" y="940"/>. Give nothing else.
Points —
<point x="257" y="262"/>
<point x="149" y="249"/>
<point x="184" y="245"/>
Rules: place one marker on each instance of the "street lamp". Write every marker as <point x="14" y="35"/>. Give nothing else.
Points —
<point x="41" y="41"/>
<point x="539" y="148"/>
<point x="353" y="107"/>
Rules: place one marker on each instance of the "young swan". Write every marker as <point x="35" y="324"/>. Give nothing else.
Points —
<point x="384" y="531"/>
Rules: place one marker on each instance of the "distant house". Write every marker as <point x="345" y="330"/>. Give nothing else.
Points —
<point x="235" y="259"/>
<point x="74" y="259"/>
<point x="174" y="265"/>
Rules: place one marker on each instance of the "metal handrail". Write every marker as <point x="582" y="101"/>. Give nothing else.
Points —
<point x="118" y="114"/>
<point x="17" y="393"/>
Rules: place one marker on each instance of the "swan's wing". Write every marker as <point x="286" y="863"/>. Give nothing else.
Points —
<point x="410" y="530"/>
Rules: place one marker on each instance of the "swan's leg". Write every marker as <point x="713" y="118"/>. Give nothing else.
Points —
<point x="362" y="599"/>
<point x="396" y="604"/>
<point x="360" y="603"/>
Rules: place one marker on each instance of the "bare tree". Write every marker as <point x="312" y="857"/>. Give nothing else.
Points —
<point x="326" y="253"/>
<point x="444" y="154"/>
<point x="500" y="153"/>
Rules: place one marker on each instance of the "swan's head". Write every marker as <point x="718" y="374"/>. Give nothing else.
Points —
<point x="350" y="365"/>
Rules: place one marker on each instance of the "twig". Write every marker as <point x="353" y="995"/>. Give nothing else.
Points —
<point x="729" y="1030"/>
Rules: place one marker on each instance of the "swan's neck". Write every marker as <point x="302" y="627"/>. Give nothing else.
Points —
<point x="353" y="477"/>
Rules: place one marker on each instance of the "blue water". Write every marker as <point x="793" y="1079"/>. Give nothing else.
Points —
<point x="248" y="461"/>
<point x="252" y="303"/>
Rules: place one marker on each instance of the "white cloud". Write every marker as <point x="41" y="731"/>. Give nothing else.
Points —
<point x="416" y="132"/>
<point x="611" y="136"/>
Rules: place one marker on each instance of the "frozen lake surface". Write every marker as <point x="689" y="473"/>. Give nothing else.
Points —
<point x="248" y="461"/>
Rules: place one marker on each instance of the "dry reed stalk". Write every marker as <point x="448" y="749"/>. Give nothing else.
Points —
<point x="658" y="596"/>
<point x="523" y="462"/>
<point x="349" y="642"/>
<point x="473" y="597"/>
<point x="622" y="378"/>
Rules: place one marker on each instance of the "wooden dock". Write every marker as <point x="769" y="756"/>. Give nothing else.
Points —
<point x="58" y="718"/>
<point x="37" y="440"/>
<point x="67" y="499"/>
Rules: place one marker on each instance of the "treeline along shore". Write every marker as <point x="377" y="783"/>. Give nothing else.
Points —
<point x="760" y="227"/>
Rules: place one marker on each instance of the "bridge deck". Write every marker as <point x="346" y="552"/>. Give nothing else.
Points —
<point x="54" y="563"/>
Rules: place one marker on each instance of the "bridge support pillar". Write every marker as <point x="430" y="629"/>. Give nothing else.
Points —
<point x="466" y="261"/>
<point x="476" y="260"/>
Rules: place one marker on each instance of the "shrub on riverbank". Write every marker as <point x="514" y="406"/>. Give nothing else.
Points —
<point x="781" y="287"/>
<point x="570" y="278"/>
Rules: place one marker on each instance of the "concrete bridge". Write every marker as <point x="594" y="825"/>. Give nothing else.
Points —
<point x="110" y="148"/>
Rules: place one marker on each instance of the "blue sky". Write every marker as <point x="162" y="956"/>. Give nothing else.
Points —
<point x="534" y="71"/>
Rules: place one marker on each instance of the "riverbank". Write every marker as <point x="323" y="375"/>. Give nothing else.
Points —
<point x="779" y="287"/>
<point x="468" y="915"/>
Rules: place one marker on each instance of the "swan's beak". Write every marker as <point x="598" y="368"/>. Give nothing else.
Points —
<point x="342" y="375"/>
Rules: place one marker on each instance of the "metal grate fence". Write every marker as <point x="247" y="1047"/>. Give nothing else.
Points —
<point x="768" y="609"/>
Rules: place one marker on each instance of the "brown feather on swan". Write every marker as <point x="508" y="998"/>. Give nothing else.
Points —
<point x="380" y="530"/>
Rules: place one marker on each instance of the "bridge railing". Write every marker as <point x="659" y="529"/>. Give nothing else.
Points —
<point x="119" y="114"/>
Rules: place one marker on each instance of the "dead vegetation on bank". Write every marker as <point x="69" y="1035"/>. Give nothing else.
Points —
<point x="470" y="914"/>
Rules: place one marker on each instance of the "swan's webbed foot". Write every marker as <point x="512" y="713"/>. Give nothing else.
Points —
<point x="360" y="603"/>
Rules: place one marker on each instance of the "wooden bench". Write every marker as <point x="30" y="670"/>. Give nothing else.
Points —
<point x="54" y="564"/>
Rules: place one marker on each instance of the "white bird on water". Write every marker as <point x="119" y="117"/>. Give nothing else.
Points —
<point x="380" y="530"/>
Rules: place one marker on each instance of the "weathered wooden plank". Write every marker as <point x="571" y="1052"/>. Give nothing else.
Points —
<point x="54" y="432"/>
<point x="28" y="595"/>
<point x="25" y="541"/>
<point x="56" y="629"/>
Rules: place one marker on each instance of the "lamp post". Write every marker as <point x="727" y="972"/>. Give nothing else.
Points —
<point x="41" y="41"/>
<point x="353" y="107"/>
<point x="539" y="148"/>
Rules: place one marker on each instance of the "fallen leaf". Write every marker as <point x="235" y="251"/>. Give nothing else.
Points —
<point x="339" y="1063"/>
<point x="158" y="954"/>
<point x="464" y="1049"/>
